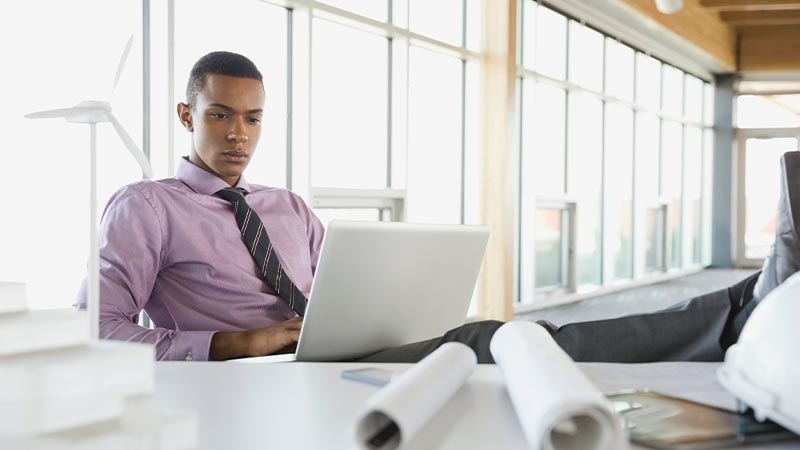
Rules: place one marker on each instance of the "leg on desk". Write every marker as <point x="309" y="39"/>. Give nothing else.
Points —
<point x="476" y="335"/>
<point x="698" y="329"/>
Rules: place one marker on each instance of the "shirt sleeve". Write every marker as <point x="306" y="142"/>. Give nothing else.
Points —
<point x="131" y="253"/>
<point x="314" y="230"/>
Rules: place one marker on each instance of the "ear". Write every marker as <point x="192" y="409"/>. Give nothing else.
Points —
<point x="185" y="116"/>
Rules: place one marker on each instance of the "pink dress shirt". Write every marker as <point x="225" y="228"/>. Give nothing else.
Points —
<point x="172" y="248"/>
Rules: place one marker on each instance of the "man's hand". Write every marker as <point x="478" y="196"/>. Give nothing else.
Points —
<point x="278" y="338"/>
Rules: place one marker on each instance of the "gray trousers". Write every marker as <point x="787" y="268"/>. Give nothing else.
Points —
<point x="698" y="329"/>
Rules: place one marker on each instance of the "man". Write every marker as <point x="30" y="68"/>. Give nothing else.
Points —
<point x="175" y="248"/>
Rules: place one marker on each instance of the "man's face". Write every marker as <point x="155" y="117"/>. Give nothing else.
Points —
<point x="225" y="125"/>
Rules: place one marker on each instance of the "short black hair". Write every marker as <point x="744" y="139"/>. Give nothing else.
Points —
<point x="219" y="63"/>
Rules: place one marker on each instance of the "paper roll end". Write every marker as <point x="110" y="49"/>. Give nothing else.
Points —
<point x="377" y="431"/>
<point x="582" y="432"/>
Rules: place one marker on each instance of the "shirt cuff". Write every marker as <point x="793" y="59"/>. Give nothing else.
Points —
<point x="190" y="346"/>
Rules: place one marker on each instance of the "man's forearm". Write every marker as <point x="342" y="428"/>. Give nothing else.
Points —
<point x="228" y="345"/>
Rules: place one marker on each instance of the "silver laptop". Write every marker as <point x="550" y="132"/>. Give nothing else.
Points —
<point x="384" y="284"/>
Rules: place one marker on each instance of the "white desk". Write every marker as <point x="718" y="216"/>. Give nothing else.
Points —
<point x="309" y="406"/>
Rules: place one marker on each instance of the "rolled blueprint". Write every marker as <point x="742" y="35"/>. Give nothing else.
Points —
<point x="399" y="410"/>
<point x="558" y="407"/>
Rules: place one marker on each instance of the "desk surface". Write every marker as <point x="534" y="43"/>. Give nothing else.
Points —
<point x="309" y="406"/>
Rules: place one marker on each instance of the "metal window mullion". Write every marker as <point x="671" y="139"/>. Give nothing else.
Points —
<point x="170" y="84"/>
<point x="146" y="91"/>
<point x="146" y="78"/>
<point x="289" y="94"/>
<point x="389" y="105"/>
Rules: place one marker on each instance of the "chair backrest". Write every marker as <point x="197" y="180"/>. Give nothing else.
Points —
<point x="790" y="184"/>
<point x="783" y="259"/>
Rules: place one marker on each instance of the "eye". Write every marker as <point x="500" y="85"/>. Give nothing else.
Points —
<point x="254" y="120"/>
<point x="217" y="115"/>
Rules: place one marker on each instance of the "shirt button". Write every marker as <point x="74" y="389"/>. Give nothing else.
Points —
<point x="188" y="357"/>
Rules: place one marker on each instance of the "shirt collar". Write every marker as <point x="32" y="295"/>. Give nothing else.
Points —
<point x="204" y="182"/>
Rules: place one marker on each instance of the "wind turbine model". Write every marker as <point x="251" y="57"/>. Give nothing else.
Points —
<point x="93" y="112"/>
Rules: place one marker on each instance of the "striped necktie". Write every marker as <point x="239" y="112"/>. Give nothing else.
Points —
<point x="255" y="238"/>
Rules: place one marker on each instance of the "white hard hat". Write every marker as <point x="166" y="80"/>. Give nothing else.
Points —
<point x="763" y="368"/>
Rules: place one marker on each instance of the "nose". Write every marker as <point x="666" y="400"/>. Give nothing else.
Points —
<point x="237" y="132"/>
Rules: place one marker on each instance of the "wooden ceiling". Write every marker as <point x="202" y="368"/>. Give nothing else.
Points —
<point x="743" y="36"/>
<point x="768" y="32"/>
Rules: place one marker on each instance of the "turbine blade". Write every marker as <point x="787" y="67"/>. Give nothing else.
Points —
<point x="147" y="170"/>
<point x="54" y="113"/>
<point x="122" y="61"/>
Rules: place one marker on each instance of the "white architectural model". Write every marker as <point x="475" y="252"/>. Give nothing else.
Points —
<point x="59" y="390"/>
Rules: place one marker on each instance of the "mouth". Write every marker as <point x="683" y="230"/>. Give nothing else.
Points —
<point x="237" y="156"/>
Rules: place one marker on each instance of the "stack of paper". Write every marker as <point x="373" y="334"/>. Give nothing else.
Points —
<point x="29" y="331"/>
<point x="12" y="297"/>
<point x="58" y="390"/>
<point x="557" y="405"/>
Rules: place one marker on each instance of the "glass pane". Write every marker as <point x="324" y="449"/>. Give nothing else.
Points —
<point x="434" y="137"/>
<point x="584" y="181"/>
<point x="708" y="104"/>
<point x="473" y="13"/>
<point x="56" y="56"/>
<point x="762" y="163"/>
<point x="585" y="57"/>
<point x="374" y="9"/>
<point x="348" y="107"/>
<point x="473" y="160"/>
<point x="768" y="111"/>
<point x="543" y="136"/>
<point x="671" y="142"/>
<point x="266" y="48"/>
<point x="619" y="189"/>
<point x="551" y="43"/>
<point x="653" y="235"/>
<point x="442" y="19"/>
<point x="693" y="185"/>
<point x="648" y="81"/>
<point x="647" y="157"/>
<point x="549" y="249"/>
<point x="529" y="34"/>
<point x="672" y="100"/>
<point x="619" y="70"/>
<point x="362" y="214"/>
<point x="694" y="99"/>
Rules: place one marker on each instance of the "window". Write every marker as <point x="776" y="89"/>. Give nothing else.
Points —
<point x="349" y="107"/>
<point x="619" y="78"/>
<point x="584" y="181"/>
<point x="618" y="221"/>
<point x="615" y="150"/>
<point x="551" y="43"/>
<point x="434" y="137"/>
<point x="672" y="98"/>
<point x="78" y="63"/>
<point x="442" y="19"/>
<point x="555" y="271"/>
<point x="692" y="195"/>
<point x="767" y="111"/>
<point x="585" y="57"/>
<point x="648" y="81"/>
<point x="544" y="136"/>
<point x="671" y="184"/>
